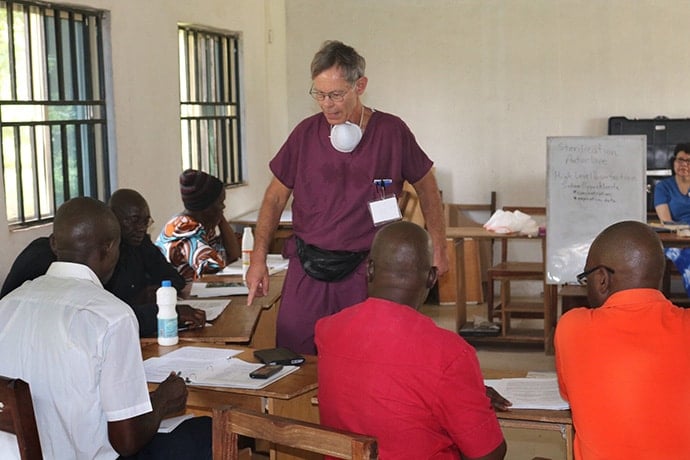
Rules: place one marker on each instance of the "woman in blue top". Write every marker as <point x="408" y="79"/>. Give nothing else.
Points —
<point x="672" y="204"/>
<point x="672" y="195"/>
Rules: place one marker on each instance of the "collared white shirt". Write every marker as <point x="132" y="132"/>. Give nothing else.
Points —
<point x="77" y="346"/>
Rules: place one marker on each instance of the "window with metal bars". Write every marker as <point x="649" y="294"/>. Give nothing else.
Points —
<point x="210" y="103"/>
<point x="53" y="135"/>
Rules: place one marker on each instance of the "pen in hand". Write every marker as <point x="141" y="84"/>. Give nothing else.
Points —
<point x="185" y="379"/>
<point x="190" y="326"/>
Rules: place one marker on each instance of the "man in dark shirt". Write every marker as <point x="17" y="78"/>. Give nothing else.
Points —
<point x="139" y="271"/>
<point x="31" y="263"/>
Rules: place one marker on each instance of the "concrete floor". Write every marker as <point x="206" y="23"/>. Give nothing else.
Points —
<point x="522" y="444"/>
<point x="508" y="357"/>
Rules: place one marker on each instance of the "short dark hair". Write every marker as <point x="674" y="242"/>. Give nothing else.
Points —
<point x="684" y="147"/>
<point x="82" y="225"/>
<point x="335" y="53"/>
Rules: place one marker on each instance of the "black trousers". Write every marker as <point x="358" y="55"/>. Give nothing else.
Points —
<point x="189" y="441"/>
<point x="148" y="321"/>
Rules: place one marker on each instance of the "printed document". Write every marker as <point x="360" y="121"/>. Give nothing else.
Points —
<point x="218" y="289"/>
<point x="206" y="366"/>
<point x="530" y="393"/>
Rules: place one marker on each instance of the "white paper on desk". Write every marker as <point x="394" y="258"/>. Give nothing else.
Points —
<point x="530" y="393"/>
<point x="541" y="375"/>
<point x="234" y="373"/>
<point x="275" y="262"/>
<point x="212" y="307"/>
<point x="207" y="366"/>
<point x="185" y="360"/>
<point x="218" y="289"/>
<point x="169" y="424"/>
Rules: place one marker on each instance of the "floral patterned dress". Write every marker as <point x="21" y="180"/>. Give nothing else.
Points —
<point x="191" y="248"/>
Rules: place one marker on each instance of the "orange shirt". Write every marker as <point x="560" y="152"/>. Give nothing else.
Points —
<point x="625" y="369"/>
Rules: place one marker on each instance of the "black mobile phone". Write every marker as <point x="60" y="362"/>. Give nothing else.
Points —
<point x="266" y="371"/>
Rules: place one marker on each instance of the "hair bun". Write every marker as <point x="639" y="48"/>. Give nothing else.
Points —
<point x="199" y="190"/>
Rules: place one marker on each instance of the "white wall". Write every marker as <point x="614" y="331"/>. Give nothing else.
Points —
<point x="482" y="83"/>
<point x="146" y="99"/>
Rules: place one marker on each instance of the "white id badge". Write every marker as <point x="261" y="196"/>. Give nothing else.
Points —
<point x="384" y="211"/>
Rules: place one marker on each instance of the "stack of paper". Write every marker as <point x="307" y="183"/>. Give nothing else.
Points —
<point x="218" y="289"/>
<point x="530" y="393"/>
<point x="669" y="226"/>
<point x="204" y="366"/>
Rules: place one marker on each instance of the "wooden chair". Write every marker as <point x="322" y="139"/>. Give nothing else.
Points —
<point x="509" y="271"/>
<point x="17" y="417"/>
<point x="230" y="422"/>
<point x="410" y="207"/>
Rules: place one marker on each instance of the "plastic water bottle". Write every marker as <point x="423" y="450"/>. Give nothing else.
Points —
<point x="166" y="298"/>
<point x="247" y="248"/>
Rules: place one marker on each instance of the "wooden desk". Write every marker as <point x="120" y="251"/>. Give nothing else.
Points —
<point x="535" y="419"/>
<point x="239" y="322"/>
<point x="458" y="236"/>
<point x="572" y="296"/>
<point x="672" y="239"/>
<point x="542" y="420"/>
<point x="288" y="397"/>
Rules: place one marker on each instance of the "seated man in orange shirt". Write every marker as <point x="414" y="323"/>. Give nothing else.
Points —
<point x="624" y="365"/>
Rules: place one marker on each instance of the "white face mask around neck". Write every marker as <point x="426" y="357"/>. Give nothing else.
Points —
<point x="345" y="136"/>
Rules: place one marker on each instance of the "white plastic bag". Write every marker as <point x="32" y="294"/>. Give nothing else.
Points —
<point x="511" y="222"/>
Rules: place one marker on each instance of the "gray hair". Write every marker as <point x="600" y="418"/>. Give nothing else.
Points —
<point x="336" y="53"/>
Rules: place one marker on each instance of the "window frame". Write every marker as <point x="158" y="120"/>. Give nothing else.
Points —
<point x="211" y="105"/>
<point x="67" y="100"/>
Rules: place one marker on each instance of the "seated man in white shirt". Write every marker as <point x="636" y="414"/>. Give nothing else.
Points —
<point x="77" y="345"/>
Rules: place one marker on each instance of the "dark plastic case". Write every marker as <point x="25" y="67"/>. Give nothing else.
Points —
<point x="663" y="134"/>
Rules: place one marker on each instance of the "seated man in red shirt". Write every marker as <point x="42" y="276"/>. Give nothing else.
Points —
<point x="624" y="365"/>
<point x="386" y="370"/>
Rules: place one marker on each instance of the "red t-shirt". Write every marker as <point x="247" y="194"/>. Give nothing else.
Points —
<point x="625" y="369"/>
<point x="386" y="370"/>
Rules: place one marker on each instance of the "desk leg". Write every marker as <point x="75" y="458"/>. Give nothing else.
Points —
<point x="447" y="289"/>
<point x="548" y="318"/>
<point x="461" y="297"/>
<point x="569" y="442"/>
<point x="265" y="333"/>
<point x="550" y="307"/>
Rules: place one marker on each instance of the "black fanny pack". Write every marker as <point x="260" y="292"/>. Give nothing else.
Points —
<point x="325" y="265"/>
